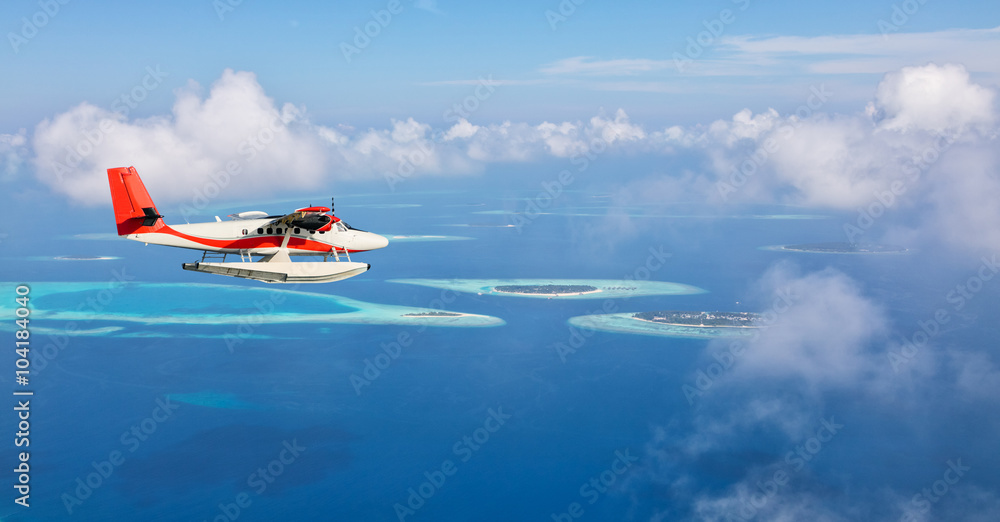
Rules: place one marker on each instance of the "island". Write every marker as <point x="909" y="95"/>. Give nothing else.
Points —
<point x="202" y="308"/>
<point x="673" y="323"/>
<point x="552" y="290"/>
<point x="557" y="288"/>
<point x="701" y="319"/>
<point x="84" y="258"/>
<point x="432" y="314"/>
<point x="846" y="248"/>
<point x="409" y="238"/>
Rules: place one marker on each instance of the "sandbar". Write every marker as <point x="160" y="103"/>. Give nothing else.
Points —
<point x="602" y="288"/>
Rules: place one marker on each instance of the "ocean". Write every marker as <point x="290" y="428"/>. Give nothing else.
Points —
<point x="184" y="396"/>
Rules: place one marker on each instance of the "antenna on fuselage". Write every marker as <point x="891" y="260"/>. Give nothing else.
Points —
<point x="331" y="206"/>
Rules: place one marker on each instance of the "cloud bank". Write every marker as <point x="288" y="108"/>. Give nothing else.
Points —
<point x="925" y="143"/>
<point x="925" y="146"/>
<point x="772" y="438"/>
<point x="237" y="130"/>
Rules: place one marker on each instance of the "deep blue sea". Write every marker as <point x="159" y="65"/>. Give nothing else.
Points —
<point x="519" y="429"/>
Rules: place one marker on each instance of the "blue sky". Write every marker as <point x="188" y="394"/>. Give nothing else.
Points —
<point x="94" y="52"/>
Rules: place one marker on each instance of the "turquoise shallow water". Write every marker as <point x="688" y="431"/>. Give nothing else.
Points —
<point x="196" y="300"/>
<point x="216" y="304"/>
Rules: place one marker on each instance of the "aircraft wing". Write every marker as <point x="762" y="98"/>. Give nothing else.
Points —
<point x="251" y="214"/>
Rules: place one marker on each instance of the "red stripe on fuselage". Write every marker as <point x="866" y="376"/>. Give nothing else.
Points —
<point x="250" y="243"/>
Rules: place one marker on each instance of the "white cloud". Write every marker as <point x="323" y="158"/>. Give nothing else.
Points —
<point x="462" y="129"/>
<point x="587" y="65"/>
<point x="821" y="332"/>
<point x="744" y="125"/>
<point x="833" y="162"/>
<point x="858" y="53"/>
<point x="428" y="5"/>
<point x="808" y="158"/>
<point x="13" y="153"/>
<point x="820" y="57"/>
<point x="962" y="197"/>
<point x="237" y="122"/>
<point x="617" y="129"/>
<point x="840" y="161"/>
<point x="934" y="98"/>
<point x="976" y="375"/>
<point x="721" y="432"/>
<point x="522" y="142"/>
<point x="490" y="82"/>
<point x="930" y="130"/>
<point x="278" y="148"/>
<point x="746" y="501"/>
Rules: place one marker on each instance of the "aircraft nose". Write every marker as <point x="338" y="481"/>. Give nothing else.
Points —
<point x="371" y="241"/>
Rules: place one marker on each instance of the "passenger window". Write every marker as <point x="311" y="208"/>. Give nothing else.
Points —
<point x="260" y="230"/>
<point x="270" y="230"/>
<point x="278" y="231"/>
<point x="298" y="230"/>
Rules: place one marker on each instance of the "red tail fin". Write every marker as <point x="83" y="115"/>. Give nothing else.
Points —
<point x="135" y="212"/>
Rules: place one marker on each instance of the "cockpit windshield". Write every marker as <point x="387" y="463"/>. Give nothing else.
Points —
<point x="349" y="227"/>
<point x="342" y="227"/>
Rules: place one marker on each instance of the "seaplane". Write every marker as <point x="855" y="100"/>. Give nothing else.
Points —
<point x="309" y="231"/>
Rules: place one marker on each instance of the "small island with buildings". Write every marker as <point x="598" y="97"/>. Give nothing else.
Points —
<point x="701" y="319"/>
<point x="549" y="290"/>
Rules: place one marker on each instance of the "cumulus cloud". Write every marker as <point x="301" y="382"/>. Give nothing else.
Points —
<point x="820" y="328"/>
<point x="764" y="411"/>
<point x="522" y="142"/>
<point x="235" y="124"/>
<point x="820" y="332"/>
<point x="933" y="98"/>
<point x="930" y="131"/>
<point x="765" y="442"/>
<point x="840" y="161"/>
<point x="237" y="132"/>
<point x="962" y="196"/>
<point x="925" y="145"/>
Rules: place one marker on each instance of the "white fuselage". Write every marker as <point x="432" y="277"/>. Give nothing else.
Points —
<point x="255" y="236"/>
